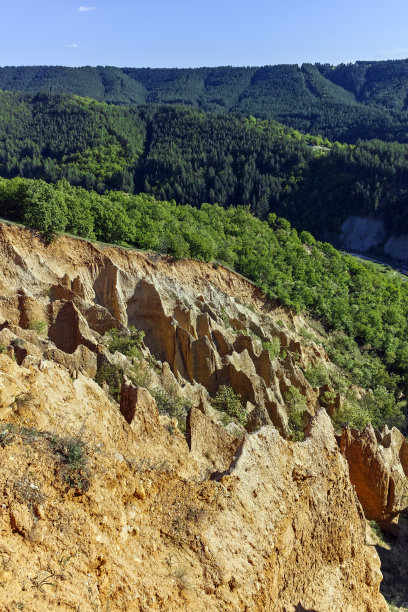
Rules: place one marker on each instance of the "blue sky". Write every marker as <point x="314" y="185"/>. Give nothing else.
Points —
<point x="197" y="33"/>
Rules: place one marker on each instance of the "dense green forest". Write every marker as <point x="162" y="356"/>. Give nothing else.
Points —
<point x="174" y="152"/>
<point x="364" y="100"/>
<point x="365" y="312"/>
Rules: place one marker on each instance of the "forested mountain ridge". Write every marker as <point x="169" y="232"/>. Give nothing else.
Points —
<point x="345" y="102"/>
<point x="180" y="153"/>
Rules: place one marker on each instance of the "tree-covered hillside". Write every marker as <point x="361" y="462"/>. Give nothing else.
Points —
<point x="174" y="152"/>
<point x="347" y="102"/>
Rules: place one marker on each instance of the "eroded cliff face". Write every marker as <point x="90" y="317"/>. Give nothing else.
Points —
<point x="108" y="505"/>
<point x="365" y="234"/>
<point x="206" y="324"/>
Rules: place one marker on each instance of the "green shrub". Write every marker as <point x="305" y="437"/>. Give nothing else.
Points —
<point x="377" y="407"/>
<point x="383" y="408"/>
<point x="377" y="531"/>
<point x="72" y="452"/>
<point x="327" y="398"/>
<point x="229" y="402"/>
<point x="224" y="317"/>
<point x="307" y="335"/>
<point x="40" y="327"/>
<point x="317" y="375"/>
<point x="297" y="408"/>
<point x="353" y="414"/>
<point x="273" y="347"/>
<point x="128" y="344"/>
<point x="171" y="405"/>
<point x="112" y="375"/>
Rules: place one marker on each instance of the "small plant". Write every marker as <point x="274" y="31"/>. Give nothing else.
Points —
<point x="168" y="403"/>
<point x="146" y="464"/>
<point x="307" y="335"/>
<point x="181" y="574"/>
<point x="224" y="317"/>
<point x="327" y="398"/>
<point x="128" y="343"/>
<point x="283" y="354"/>
<point x="112" y="375"/>
<point x="317" y="326"/>
<point x="40" y="327"/>
<point x="72" y="453"/>
<point x="172" y="294"/>
<point x="296" y="403"/>
<point x="273" y="347"/>
<point x="140" y="374"/>
<point x="23" y="400"/>
<point x="229" y="402"/>
<point x="46" y="292"/>
<point x="8" y="431"/>
<point x="49" y="577"/>
<point x="93" y="600"/>
<point x="377" y="531"/>
<point x="3" y="349"/>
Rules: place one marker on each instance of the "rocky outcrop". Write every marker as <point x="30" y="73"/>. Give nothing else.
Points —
<point x="280" y="529"/>
<point x="114" y="504"/>
<point x="279" y="483"/>
<point x="362" y="233"/>
<point x="139" y="409"/>
<point x="210" y="444"/>
<point x="397" y="247"/>
<point x="190" y="323"/>
<point x="378" y="465"/>
<point x="68" y="328"/>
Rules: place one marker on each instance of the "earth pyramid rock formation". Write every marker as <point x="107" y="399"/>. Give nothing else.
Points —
<point x="122" y="486"/>
<point x="378" y="465"/>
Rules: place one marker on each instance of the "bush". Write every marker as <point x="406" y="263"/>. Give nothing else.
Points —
<point x="317" y="375"/>
<point x="377" y="407"/>
<point x="273" y="347"/>
<point x="45" y="209"/>
<point x="298" y="416"/>
<point x="171" y="405"/>
<point x="229" y="402"/>
<point x="128" y="343"/>
<point x="112" y="375"/>
<point x="353" y="414"/>
<point x="72" y="452"/>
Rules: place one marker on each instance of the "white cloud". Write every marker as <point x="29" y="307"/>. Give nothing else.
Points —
<point x="73" y="46"/>
<point x="85" y="9"/>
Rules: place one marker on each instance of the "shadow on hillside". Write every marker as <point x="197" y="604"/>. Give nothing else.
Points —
<point x="394" y="564"/>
